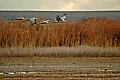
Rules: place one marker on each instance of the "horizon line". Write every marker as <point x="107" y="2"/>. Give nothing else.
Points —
<point x="58" y="10"/>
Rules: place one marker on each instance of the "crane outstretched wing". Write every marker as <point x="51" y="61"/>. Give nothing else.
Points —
<point x="63" y="17"/>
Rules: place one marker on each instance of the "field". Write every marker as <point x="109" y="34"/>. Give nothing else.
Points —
<point x="87" y="49"/>
<point x="60" y="68"/>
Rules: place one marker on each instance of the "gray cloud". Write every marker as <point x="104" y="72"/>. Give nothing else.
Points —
<point x="60" y="5"/>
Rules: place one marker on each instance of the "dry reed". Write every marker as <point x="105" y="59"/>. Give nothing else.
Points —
<point x="102" y="32"/>
<point x="95" y="32"/>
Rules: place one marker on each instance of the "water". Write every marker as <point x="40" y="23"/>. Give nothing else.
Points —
<point x="71" y="15"/>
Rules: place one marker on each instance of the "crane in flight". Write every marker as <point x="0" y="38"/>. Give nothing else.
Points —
<point x="19" y="18"/>
<point x="32" y="20"/>
<point x="45" y="21"/>
<point x="62" y="18"/>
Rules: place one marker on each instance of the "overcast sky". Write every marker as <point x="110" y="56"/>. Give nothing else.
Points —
<point x="59" y="5"/>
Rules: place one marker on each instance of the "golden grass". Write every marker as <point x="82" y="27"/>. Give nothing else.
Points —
<point x="81" y="51"/>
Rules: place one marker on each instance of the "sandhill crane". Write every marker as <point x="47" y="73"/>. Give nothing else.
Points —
<point x="62" y="18"/>
<point x="32" y="20"/>
<point x="19" y="18"/>
<point x="45" y="22"/>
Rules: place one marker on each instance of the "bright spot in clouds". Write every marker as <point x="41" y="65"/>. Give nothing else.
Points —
<point x="70" y="6"/>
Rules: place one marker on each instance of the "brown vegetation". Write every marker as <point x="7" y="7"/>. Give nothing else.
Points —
<point x="60" y="76"/>
<point x="60" y="52"/>
<point x="87" y="38"/>
<point x="95" y="32"/>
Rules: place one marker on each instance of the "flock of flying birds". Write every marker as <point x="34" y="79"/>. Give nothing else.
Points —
<point x="34" y="20"/>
